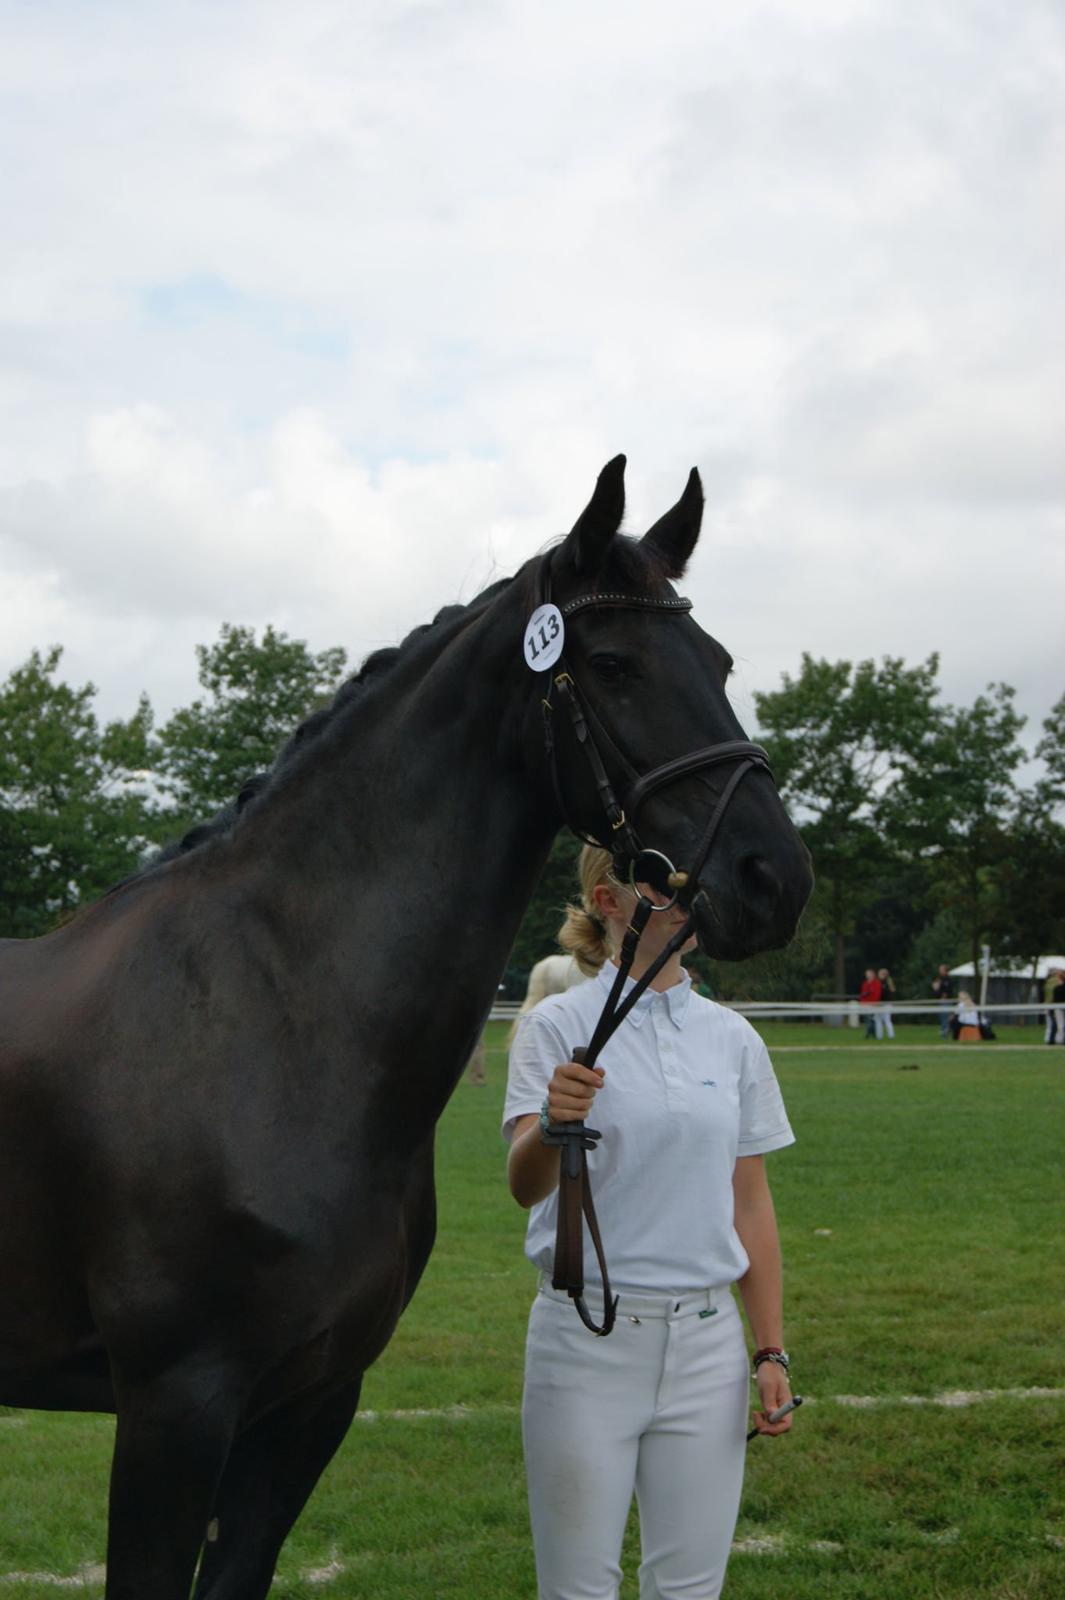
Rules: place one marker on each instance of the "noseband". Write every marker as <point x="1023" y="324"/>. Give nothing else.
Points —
<point x="643" y="866"/>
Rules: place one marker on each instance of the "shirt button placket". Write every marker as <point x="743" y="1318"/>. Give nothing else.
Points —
<point x="667" y="1052"/>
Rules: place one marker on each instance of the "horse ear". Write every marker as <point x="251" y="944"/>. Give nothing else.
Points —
<point x="673" y="536"/>
<point x="589" y="539"/>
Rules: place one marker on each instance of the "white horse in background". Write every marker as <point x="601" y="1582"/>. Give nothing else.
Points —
<point x="552" y="975"/>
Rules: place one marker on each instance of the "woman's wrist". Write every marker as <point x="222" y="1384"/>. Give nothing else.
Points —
<point x="532" y="1166"/>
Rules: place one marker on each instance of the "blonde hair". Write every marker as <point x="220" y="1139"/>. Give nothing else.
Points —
<point x="584" y="935"/>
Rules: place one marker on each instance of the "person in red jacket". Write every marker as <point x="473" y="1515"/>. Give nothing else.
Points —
<point x="869" y="995"/>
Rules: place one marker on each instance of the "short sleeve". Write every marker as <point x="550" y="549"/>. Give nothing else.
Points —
<point x="537" y="1050"/>
<point x="764" y="1124"/>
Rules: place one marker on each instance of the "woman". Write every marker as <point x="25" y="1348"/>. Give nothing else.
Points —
<point x="1054" y="993"/>
<point x="688" y="1106"/>
<point x="967" y="1015"/>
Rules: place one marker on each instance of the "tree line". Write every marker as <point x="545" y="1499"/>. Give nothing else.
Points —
<point x="928" y="837"/>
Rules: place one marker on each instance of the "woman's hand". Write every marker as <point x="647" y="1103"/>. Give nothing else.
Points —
<point x="571" y="1091"/>
<point x="774" y="1391"/>
<point x="532" y="1166"/>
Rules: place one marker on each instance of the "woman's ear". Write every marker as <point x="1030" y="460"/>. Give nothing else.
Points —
<point x="608" y="903"/>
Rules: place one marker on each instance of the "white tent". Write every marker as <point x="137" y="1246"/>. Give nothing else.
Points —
<point x="1044" y="966"/>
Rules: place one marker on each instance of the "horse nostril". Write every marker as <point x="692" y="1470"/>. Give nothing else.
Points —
<point x="759" y="879"/>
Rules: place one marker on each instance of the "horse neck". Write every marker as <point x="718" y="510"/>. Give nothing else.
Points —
<point x="412" y="841"/>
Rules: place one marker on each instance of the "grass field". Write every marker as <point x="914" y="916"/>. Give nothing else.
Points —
<point x="921" y="1214"/>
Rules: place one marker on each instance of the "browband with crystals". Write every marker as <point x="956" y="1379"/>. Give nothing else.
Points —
<point x="609" y="597"/>
<point x="636" y="602"/>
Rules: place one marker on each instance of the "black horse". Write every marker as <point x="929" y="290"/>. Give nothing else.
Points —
<point x="219" y="1088"/>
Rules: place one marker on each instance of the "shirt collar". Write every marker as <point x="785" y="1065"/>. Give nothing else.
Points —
<point x="675" y="998"/>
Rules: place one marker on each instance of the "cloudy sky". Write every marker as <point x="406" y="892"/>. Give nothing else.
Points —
<point x="327" y="314"/>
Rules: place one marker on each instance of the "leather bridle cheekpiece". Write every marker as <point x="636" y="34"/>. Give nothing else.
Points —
<point x="642" y="866"/>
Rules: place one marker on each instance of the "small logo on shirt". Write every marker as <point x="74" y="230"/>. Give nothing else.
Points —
<point x="709" y="1083"/>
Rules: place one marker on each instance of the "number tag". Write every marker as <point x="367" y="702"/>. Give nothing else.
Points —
<point x="545" y="637"/>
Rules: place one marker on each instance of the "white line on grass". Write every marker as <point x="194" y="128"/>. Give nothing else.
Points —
<point x="952" y="1398"/>
<point x="326" y="1574"/>
<point x="82" y="1579"/>
<point x="754" y="1544"/>
<point x="456" y="1413"/>
<point x="780" y="1544"/>
<point x="93" y="1577"/>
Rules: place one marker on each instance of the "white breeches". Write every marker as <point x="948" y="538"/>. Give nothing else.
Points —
<point x="660" y="1408"/>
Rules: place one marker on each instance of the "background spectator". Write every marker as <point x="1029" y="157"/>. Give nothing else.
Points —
<point x="869" y="995"/>
<point x="1054" y="995"/>
<point x="943" y="989"/>
<point x="887" y="994"/>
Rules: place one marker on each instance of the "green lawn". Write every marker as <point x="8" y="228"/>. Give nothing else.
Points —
<point x="921" y="1214"/>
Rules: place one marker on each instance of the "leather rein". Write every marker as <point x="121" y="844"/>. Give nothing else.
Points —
<point x="643" y="865"/>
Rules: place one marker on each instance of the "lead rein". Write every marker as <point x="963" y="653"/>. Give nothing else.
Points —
<point x="575" y="1139"/>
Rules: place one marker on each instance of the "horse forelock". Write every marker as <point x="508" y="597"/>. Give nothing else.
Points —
<point x="632" y="565"/>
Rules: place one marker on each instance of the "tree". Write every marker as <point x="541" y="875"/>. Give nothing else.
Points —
<point x="891" y="918"/>
<point x="954" y="806"/>
<point x="257" y="692"/>
<point x="1031" y="910"/>
<point x="839" y="738"/>
<point x="75" y="812"/>
<point x="1051" y="749"/>
<point x="944" y="939"/>
<point x="1028" y="918"/>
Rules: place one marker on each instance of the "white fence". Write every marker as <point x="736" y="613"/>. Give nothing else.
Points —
<point x="854" y="1014"/>
<point x="839" y="1011"/>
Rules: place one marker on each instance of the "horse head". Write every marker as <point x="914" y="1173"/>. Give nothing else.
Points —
<point x="643" y="750"/>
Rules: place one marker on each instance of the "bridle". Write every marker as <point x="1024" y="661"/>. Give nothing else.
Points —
<point x="643" y="865"/>
<point x="592" y="737"/>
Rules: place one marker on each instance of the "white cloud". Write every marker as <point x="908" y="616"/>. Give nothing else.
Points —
<point x="326" y="315"/>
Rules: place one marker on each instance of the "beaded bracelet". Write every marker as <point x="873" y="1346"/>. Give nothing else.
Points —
<point x="772" y="1353"/>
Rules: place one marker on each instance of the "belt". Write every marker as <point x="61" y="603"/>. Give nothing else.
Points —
<point x="639" y="1306"/>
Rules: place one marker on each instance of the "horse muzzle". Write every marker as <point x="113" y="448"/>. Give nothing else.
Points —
<point x="750" y="902"/>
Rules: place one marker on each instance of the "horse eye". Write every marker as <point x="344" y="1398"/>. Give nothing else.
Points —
<point x="608" y="669"/>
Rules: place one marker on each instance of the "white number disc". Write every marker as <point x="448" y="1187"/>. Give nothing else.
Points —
<point x="545" y="637"/>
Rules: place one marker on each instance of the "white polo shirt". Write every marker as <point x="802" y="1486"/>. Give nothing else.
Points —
<point x="688" y="1088"/>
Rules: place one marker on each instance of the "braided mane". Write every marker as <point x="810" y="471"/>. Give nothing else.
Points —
<point x="629" y="563"/>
